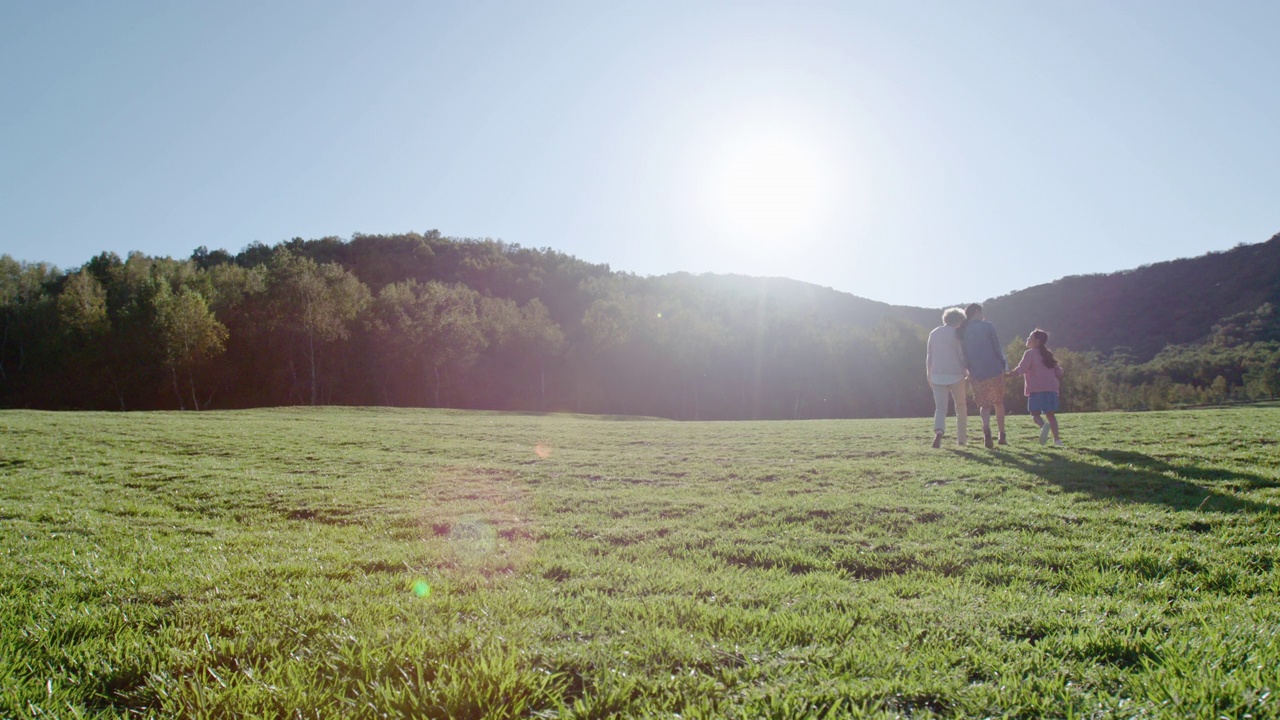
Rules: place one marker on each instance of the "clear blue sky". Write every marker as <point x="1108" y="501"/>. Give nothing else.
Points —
<point x="920" y="153"/>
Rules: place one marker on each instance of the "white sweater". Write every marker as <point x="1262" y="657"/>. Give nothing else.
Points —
<point x="944" y="358"/>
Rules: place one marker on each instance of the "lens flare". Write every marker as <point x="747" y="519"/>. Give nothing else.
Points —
<point x="542" y="451"/>
<point x="473" y="539"/>
<point x="421" y="588"/>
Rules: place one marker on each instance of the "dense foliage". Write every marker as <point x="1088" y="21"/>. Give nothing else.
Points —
<point x="1140" y="312"/>
<point x="424" y="320"/>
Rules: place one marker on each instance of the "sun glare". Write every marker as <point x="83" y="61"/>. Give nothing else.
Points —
<point x="766" y="184"/>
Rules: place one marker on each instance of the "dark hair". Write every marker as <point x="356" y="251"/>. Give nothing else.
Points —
<point x="1049" y="360"/>
<point x="969" y="313"/>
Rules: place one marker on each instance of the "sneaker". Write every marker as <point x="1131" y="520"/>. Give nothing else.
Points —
<point x="1002" y="441"/>
<point x="937" y="440"/>
<point x="986" y="436"/>
<point x="1044" y="433"/>
<point x="1057" y="443"/>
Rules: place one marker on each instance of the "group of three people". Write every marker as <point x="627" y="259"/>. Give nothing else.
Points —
<point x="966" y="350"/>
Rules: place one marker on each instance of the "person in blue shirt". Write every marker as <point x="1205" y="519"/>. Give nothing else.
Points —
<point x="987" y="366"/>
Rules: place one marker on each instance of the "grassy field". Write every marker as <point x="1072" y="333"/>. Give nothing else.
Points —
<point x="402" y="563"/>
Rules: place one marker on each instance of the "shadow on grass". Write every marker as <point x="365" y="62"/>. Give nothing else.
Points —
<point x="1194" y="472"/>
<point x="1131" y="477"/>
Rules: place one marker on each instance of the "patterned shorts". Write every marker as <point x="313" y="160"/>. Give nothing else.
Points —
<point x="989" y="392"/>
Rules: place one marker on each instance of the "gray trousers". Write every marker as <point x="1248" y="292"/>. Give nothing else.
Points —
<point x="957" y="393"/>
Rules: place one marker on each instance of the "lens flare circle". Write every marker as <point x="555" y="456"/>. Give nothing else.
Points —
<point x="473" y="538"/>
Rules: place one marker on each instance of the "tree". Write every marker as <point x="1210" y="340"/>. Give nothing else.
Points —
<point x="859" y="391"/>
<point x="902" y="346"/>
<point x="81" y="317"/>
<point x="520" y="342"/>
<point x="1271" y="376"/>
<point x="1218" y="389"/>
<point x="204" y="259"/>
<point x="1263" y="376"/>
<point x="131" y="359"/>
<point x="23" y="295"/>
<point x="691" y="340"/>
<point x="1014" y="398"/>
<point x="314" y="304"/>
<point x="432" y="325"/>
<point x="1079" y="381"/>
<point x="188" y="333"/>
<point x="82" y="307"/>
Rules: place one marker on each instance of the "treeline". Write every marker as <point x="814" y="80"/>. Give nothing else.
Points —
<point x="1144" y="310"/>
<point x="424" y="320"/>
<point x="1239" y="362"/>
<point x="1179" y="376"/>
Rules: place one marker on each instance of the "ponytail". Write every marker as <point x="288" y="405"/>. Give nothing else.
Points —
<point x="1047" y="357"/>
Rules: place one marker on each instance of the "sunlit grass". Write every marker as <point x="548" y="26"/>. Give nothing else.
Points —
<point x="371" y="563"/>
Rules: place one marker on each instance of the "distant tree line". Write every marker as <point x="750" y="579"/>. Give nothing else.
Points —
<point x="427" y="321"/>
<point x="1144" y="310"/>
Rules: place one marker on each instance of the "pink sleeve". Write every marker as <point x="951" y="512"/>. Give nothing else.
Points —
<point x="1024" y="365"/>
<point x="1057" y="369"/>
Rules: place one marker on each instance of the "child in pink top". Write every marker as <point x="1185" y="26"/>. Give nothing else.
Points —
<point x="1041" y="373"/>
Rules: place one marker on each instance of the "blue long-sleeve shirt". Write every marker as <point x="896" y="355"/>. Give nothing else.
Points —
<point x="982" y="351"/>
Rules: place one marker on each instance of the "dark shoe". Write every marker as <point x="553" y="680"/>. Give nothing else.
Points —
<point x="937" y="440"/>
<point x="1002" y="441"/>
<point x="986" y="437"/>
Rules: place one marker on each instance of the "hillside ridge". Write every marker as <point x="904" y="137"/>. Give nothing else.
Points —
<point x="1137" y="311"/>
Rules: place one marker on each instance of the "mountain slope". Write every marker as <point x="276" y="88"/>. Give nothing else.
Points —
<point x="1145" y="309"/>
<point x="802" y="301"/>
<point x="1137" y="311"/>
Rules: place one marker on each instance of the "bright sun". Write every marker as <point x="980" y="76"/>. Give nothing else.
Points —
<point x="765" y="184"/>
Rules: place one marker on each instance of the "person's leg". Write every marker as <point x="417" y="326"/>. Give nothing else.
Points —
<point x="1000" y="422"/>
<point x="1053" y="423"/>
<point x="1036" y="417"/>
<point x="958" y="394"/>
<point x="986" y="425"/>
<point x="939" y="412"/>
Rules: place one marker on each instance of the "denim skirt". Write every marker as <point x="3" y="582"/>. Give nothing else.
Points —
<point x="1042" y="402"/>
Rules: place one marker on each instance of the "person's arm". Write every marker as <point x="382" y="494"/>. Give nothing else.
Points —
<point x="928" y="358"/>
<point x="995" y="344"/>
<point x="1023" y="366"/>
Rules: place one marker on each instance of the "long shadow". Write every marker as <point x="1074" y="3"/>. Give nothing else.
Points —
<point x="1133" y="477"/>
<point x="1187" y="470"/>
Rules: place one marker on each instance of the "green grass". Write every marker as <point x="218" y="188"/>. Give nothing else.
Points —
<point x="401" y="563"/>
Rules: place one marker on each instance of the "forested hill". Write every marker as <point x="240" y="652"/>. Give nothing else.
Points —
<point x="564" y="283"/>
<point x="1139" y="312"/>
<point x="425" y="320"/>
<point x="805" y="301"/>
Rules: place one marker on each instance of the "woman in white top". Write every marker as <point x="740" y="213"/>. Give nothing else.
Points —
<point x="944" y="364"/>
